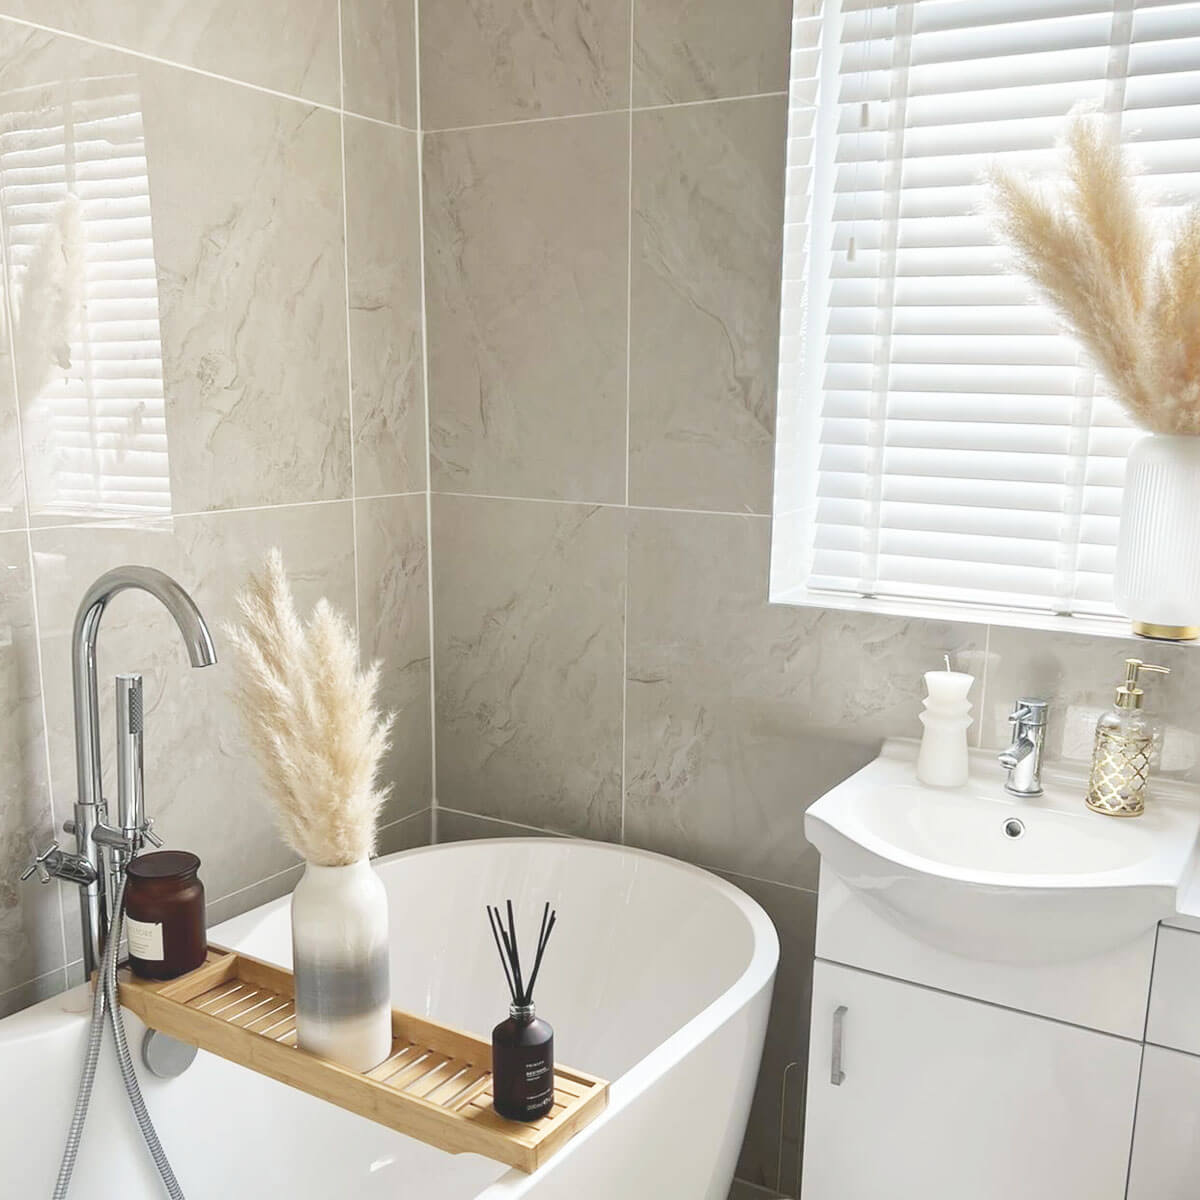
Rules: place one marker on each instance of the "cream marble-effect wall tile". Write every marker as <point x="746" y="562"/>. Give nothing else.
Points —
<point x="455" y="826"/>
<point x="12" y="477"/>
<point x="383" y="246"/>
<point x="776" y="1116"/>
<point x="246" y="217"/>
<point x="705" y="49"/>
<point x="202" y="787"/>
<point x="508" y="60"/>
<point x="30" y="914"/>
<point x="379" y="54"/>
<point x="704" y="328"/>
<point x="286" y="45"/>
<point x="1077" y="674"/>
<point x="223" y="908"/>
<point x="739" y="714"/>
<point x="526" y="235"/>
<point x="530" y="601"/>
<point x="393" y="603"/>
<point x="407" y="833"/>
<point x="14" y="999"/>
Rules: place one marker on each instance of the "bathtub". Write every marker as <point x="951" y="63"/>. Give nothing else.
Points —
<point x="658" y="978"/>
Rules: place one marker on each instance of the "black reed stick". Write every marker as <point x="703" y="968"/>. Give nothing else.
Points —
<point x="493" y="921"/>
<point x="509" y="951"/>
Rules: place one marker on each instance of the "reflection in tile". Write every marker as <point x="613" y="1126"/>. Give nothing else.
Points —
<point x="286" y="45"/>
<point x="201" y="785"/>
<point x="704" y="49"/>
<point x="455" y="826"/>
<point x="741" y="1190"/>
<point x="509" y="59"/>
<point x="775" y="1128"/>
<point x="739" y="714"/>
<point x="704" y="326"/>
<point x="393" y="605"/>
<point x="1077" y="674"/>
<point x="30" y="914"/>
<point x="247" y="243"/>
<point x="383" y="249"/>
<point x="528" y="651"/>
<point x="12" y="479"/>
<point x="526" y="248"/>
<point x="379" y="51"/>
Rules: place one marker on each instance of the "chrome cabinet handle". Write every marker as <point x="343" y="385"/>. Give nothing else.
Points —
<point x="836" y="1074"/>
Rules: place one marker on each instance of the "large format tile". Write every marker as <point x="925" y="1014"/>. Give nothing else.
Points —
<point x="771" y="1149"/>
<point x="704" y="324"/>
<point x="393" y="605"/>
<point x="12" y="478"/>
<point x="507" y="60"/>
<point x="30" y="915"/>
<point x="383" y="253"/>
<point x="202" y="786"/>
<point x="530" y="601"/>
<point x="455" y="826"/>
<point x="379" y="53"/>
<point x="705" y="49"/>
<point x="1077" y="673"/>
<point x="526" y="247"/>
<point x="241" y="203"/>
<point x="286" y="45"/>
<point x="739" y="713"/>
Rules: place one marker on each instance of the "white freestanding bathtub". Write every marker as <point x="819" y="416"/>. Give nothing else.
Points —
<point x="658" y="978"/>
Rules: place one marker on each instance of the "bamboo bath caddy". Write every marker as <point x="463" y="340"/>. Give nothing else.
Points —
<point x="435" y="1085"/>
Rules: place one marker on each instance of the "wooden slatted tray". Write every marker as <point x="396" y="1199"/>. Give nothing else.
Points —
<point x="436" y="1085"/>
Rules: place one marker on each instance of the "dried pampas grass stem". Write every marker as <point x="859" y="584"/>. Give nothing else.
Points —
<point x="1090" y="249"/>
<point x="310" y="717"/>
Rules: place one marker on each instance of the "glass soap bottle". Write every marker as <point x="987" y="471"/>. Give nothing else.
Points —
<point x="164" y="914"/>
<point x="1124" y="749"/>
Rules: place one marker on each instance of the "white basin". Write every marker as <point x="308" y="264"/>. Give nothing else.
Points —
<point x="943" y="864"/>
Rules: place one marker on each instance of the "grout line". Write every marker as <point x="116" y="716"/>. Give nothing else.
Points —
<point x="539" y="829"/>
<point x="707" y="512"/>
<point x="16" y="987"/>
<point x="8" y="315"/>
<point x="257" y="883"/>
<point x="145" y="56"/>
<point x="628" y="407"/>
<point x="349" y="350"/>
<point x="608" y="112"/>
<point x="433" y="801"/>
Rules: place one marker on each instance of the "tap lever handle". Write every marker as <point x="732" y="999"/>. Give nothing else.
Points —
<point x="38" y="866"/>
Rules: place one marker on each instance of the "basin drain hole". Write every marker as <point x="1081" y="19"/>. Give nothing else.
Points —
<point x="1013" y="828"/>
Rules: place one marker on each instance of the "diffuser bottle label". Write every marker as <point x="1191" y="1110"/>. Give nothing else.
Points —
<point x="145" y="939"/>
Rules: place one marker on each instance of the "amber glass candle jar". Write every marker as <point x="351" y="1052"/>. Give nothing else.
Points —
<point x="164" y="914"/>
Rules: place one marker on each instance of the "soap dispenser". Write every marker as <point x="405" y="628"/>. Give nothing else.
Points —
<point x="1124" y="749"/>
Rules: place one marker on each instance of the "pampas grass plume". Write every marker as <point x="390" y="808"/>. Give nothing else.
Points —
<point x="1090" y="249"/>
<point x="309" y="715"/>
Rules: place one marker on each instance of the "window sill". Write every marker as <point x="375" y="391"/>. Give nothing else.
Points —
<point x="931" y="610"/>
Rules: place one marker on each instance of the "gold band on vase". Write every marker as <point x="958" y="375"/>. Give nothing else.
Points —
<point x="1166" y="633"/>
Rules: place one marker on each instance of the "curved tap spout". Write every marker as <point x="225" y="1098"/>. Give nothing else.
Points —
<point x="89" y="804"/>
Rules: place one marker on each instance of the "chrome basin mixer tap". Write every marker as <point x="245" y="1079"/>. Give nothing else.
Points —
<point x="102" y="850"/>
<point x="1023" y="759"/>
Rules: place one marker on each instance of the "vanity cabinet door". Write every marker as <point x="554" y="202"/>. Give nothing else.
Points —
<point x="934" y="1097"/>
<point x="1166" y="1147"/>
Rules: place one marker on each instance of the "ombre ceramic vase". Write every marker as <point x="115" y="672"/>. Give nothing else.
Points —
<point x="1157" y="578"/>
<point x="340" y="963"/>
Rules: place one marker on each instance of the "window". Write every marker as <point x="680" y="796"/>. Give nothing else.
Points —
<point x="75" y="204"/>
<point x="942" y="440"/>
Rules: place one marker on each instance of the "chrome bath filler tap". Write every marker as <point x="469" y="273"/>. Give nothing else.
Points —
<point x="103" y="850"/>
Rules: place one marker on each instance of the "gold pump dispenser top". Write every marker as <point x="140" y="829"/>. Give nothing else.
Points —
<point x="1128" y="694"/>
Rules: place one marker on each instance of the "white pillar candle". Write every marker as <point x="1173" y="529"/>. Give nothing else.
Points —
<point x="942" y="760"/>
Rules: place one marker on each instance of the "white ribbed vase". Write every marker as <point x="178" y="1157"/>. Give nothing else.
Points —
<point x="1157" y="578"/>
<point x="340" y="961"/>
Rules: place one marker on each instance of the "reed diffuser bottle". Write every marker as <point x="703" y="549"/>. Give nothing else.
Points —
<point x="522" y="1046"/>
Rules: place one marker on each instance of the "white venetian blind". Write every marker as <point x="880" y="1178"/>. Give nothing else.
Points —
<point x="965" y="451"/>
<point x="75" y="200"/>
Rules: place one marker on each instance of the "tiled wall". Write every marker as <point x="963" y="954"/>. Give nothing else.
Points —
<point x="603" y="212"/>
<point x="286" y="247"/>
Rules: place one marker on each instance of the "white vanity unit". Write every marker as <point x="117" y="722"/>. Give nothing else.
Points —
<point x="984" y="1025"/>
